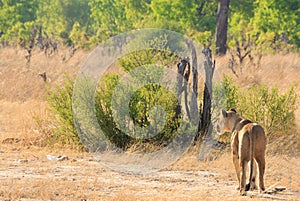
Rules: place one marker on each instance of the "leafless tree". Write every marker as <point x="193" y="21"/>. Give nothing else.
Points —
<point x="44" y="76"/>
<point x="182" y="81"/>
<point x="28" y="55"/>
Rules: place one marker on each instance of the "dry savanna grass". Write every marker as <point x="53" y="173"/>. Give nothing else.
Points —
<point x="27" y="174"/>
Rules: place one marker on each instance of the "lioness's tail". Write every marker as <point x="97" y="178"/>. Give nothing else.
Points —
<point x="252" y="141"/>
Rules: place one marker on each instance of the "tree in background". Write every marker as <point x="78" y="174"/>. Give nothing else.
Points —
<point x="176" y="15"/>
<point x="17" y="19"/>
<point x="222" y="24"/>
<point x="271" y="24"/>
<point x="57" y="18"/>
<point x="276" y="22"/>
<point x="108" y="18"/>
<point x="50" y="17"/>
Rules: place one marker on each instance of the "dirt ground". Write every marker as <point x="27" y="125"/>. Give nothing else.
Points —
<point x="27" y="174"/>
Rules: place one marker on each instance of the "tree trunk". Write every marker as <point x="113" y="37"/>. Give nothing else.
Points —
<point x="205" y="123"/>
<point x="193" y="104"/>
<point x="222" y="24"/>
<point x="206" y="126"/>
<point x="182" y="82"/>
<point x="209" y="67"/>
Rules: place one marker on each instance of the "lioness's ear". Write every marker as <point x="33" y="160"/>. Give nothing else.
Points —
<point x="224" y="113"/>
<point x="233" y="110"/>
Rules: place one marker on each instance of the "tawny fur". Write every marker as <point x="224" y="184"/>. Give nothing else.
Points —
<point x="248" y="144"/>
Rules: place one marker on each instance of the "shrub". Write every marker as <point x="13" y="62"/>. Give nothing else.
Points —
<point x="60" y="103"/>
<point x="142" y="104"/>
<point x="274" y="110"/>
<point x="59" y="127"/>
<point x="225" y="95"/>
<point x="104" y="112"/>
<point x="141" y="108"/>
<point x="262" y="104"/>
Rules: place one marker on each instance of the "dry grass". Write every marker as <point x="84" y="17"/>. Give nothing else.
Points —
<point x="26" y="174"/>
<point x="23" y="79"/>
<point x="277" y="70"/>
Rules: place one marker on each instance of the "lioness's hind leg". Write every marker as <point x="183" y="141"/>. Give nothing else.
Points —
<point x="261" y="171"/>
<point x="243" y="168"/>
<point x="252" y="185"/>
<point x="235" y="159"/>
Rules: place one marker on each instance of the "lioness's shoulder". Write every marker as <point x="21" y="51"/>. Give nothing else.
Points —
<point x="242" y="123"/>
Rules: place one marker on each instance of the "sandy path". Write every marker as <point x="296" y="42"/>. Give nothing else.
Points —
<point x="26" y="174"/>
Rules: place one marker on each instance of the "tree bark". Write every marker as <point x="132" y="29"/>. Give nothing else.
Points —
<point x="194" y="104"/>
<point x="222" y="24"/>
<point x="205" y="123"/>
<point x="205" y="132"/>
<point x="209" y="67"/>
<point x="182" y="84"/>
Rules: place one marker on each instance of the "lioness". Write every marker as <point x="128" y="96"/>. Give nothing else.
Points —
<point x="248" y="143"/>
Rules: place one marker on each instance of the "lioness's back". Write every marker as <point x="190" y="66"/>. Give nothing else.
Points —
<point x="259" y="139"/>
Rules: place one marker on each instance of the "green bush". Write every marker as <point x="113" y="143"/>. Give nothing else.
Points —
<point x="141" y="108"/>
<point x="273" y="109"/>
<point x="59" y="127"/>
<point x="158" y="54"/>
<point x="104" y="112"/>
<point x="148" y="101"/>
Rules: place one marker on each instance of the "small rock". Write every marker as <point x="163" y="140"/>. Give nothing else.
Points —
<point x="281" y="188"/>
<point x="57" y="158"/>
<point x="23" y="161"/>
<point x="11" y="140"/>
<point x="63" y="158"/>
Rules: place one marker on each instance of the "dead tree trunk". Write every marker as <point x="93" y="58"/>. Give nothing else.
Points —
<point x="222" y="24"/>
<point x="194" y="104"/>
<point x="209" y="67"/>
<point x="205" y="132"/>
<point x="182" y="84"/>
<point x="205" y="123"/>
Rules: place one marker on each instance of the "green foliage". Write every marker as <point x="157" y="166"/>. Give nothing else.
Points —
<point x="140" y="112"/>
<point x="63" y="130"/>
<point x="225" y="96"/>
<point x="62" y="123"/>
<point x="181" y="12"/>
<point x="78" y="36"/>
<point x="109" y="16"/>
<point x="141" y="106"/>
<point x="206" y="15"/>
<point x="51" y="18"/>
<point x="271" y="25"/>
<point x="159" y="54"/>
<point x="231" y="92"/>
<point x="274" y="110"/>
<point x="104" y="112"/>
<point x="58" y="18"/>
<point x="261" y="104"/>
<point x="17" y="18"/>
<point x="204" y="38"/>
